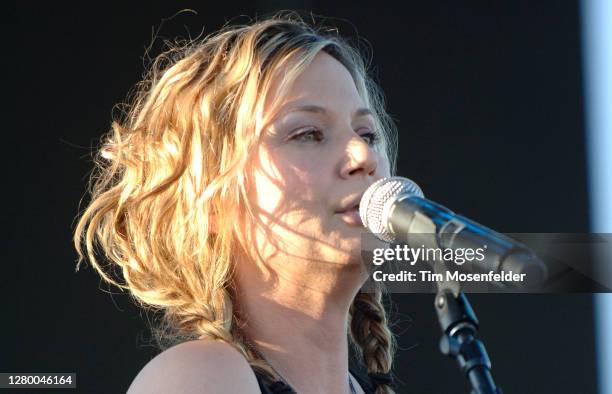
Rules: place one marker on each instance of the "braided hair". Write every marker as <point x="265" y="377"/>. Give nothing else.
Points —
<point x="375" y="342"/>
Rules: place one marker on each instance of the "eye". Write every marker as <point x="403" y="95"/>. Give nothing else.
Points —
<point x="371" y="138"/>
<point x="309" y="135"/>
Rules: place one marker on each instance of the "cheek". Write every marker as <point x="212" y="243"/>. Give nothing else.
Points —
<point x="307" y="175"/>
<point x="269" y="192"/>
<point x="384" y="167"/>
<point x="307" y="181"/>
<point x="287" y="184"/>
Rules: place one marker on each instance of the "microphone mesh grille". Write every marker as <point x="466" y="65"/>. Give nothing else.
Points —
<point x="381" y="192"/>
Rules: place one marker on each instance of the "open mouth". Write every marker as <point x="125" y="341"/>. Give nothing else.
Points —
<point x="351" y="216"/>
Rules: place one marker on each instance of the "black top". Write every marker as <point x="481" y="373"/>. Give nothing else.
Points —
<point x="280" y="387"/>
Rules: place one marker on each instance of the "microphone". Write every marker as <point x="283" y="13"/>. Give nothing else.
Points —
<point x="394" y="210"/>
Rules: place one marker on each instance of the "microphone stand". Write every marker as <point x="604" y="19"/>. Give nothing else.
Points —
<point x="459" y="326"/>
<point x="457" y="319"/>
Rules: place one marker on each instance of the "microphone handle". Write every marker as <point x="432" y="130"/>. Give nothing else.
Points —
<point x="419" y="221"/>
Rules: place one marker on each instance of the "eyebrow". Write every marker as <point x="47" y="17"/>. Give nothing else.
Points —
<point x="320" y="110"/>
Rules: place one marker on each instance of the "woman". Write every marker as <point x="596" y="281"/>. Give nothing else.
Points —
<point x="226" y="198"/>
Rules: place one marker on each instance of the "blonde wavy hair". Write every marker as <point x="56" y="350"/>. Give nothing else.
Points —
<point x="176" y="157"/>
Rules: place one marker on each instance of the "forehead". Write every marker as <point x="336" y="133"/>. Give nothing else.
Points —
<point x="325" y="81"/>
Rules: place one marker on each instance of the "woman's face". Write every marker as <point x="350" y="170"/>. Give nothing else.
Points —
<point x="315" y="160"/>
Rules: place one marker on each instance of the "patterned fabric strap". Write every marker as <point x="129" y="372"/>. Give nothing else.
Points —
<point x="379" y="378"/>
<point x="281" y="387"/>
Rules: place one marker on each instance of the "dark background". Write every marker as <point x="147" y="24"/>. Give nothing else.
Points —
<point x="487" y="96"/>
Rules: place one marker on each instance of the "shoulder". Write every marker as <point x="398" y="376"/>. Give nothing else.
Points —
<point x="202" y="367"/>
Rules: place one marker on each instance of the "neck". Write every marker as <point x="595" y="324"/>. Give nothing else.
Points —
<point x="300" y="326"/>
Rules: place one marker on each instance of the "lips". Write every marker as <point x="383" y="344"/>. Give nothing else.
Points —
<point x="350" y="214"/>
<point x="350" y="208"/>
<point x="350" y="204"/>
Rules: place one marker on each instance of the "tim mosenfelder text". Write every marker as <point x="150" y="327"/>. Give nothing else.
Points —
<point x="459" y="256"/>
<point x="456" y="276"/>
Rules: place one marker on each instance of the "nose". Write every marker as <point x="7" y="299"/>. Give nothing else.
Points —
<point x="359" y="158"/>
